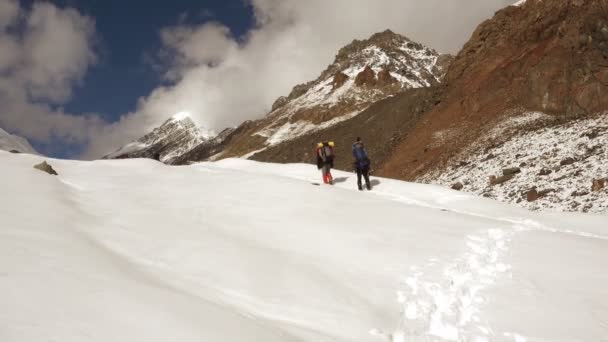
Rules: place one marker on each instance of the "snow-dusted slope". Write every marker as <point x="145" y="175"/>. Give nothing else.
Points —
<point x="559" y="163"/>
<point x="178" y="135"/>
<point x="240" y="251"/>
<point x="10" y="142"/>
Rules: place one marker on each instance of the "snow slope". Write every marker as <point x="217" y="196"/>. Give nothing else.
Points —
<point x="134" y="250"/>
<point x="10" y="142"/>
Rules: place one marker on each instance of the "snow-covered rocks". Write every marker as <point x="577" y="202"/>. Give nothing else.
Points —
<point x="561" y="166"/>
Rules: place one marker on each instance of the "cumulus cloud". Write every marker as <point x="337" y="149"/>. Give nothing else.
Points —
<point x="44" y="51"/>
<point x="220" y="79"/>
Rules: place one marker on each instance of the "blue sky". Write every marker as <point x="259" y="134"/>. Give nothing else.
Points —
<point x="128" y="34"/>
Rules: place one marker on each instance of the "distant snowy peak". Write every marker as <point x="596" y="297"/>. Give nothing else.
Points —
<point x="14" y="143"/>
<point x="176" y="136"/>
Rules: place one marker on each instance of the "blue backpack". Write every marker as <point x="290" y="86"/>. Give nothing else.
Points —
<point x="360" y="154"/>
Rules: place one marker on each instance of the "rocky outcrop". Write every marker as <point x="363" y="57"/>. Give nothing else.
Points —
<point x="45" y="167"/>
<point x="339" y="79"/>
<point x="385" y="78"/>
<point x="367" y="77"/>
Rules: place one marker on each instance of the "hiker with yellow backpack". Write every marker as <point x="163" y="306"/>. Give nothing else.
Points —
<point x="325" y="160"/>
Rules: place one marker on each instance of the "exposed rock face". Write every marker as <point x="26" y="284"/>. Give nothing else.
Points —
<point x="174" y="138"/>
<point x="45" y="167"/>
<point x="364" y="72"/>
<point x="367" y="77"/>
<point x="339" y="79"/>
<point x="545" y="56"/>
<point x="385" y="78"/>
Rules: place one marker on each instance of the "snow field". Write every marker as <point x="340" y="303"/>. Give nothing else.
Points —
<point x="238" y="250"/>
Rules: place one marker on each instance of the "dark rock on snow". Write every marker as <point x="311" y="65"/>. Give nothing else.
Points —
<point x="45" y="167"/>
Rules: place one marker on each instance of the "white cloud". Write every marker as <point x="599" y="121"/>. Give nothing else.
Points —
<point x="43" y="53"/>
<point x="57" y="51"/>
<point x="221" y="79"/>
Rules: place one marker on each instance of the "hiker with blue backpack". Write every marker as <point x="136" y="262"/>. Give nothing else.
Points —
<point x="362" y="164"/>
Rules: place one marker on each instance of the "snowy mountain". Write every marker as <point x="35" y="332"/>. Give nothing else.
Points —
<point x="105" y="258"/>
<point x="178" y="135"/>
<point x="10" y="142"/>
<point x="362" y="73"/>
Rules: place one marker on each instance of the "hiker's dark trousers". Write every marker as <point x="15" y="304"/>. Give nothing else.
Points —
<point x="363" y="171"/>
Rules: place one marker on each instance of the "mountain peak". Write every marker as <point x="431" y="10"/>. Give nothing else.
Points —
<point x="174" y="137"/>
<point x="386" y="35"/>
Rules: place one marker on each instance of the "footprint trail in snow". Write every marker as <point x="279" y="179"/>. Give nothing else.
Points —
<point x="449" y="308"/>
